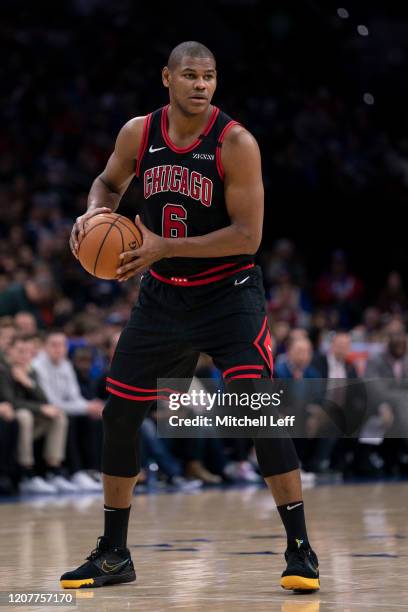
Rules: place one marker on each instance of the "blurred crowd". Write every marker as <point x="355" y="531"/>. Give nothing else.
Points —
<point x="52" y="392"/>
<point x="65" y="100"/>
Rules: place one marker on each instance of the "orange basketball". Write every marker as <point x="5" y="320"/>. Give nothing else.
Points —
<point x="106" y="237"/>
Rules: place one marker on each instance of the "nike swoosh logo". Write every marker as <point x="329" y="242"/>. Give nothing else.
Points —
<point x="295" y="506"/>
<point x="241" y="282"/>
<point x="107" y="567"/>
<point x="153" y="150"/>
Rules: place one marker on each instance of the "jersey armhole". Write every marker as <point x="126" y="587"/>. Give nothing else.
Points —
<point x="221" y="138"/>
<point x="143" y="143"/>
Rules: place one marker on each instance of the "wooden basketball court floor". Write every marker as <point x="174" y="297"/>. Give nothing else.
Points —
<point x="217" y="550"/>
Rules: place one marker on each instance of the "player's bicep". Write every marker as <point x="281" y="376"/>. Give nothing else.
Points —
<point x="120" y="168"/>
<point x="244" y="193"/>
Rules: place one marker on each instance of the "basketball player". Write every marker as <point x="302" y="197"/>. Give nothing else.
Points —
<point x="202" y="224"/>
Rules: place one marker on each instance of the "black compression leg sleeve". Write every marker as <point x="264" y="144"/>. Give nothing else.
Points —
<point x="276" y="455"/>
<point x="122" y="420"/>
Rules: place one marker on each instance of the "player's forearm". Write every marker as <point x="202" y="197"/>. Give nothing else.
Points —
<point x="231" y="240"/>
<point x="101" y="194"/>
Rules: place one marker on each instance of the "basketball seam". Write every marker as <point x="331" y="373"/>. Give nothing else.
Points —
<point x="90" y="230"/>
<point x="102" y="243"/>
<point x="101" y="222"/>
<point x="121" y="235"/>
<point x="130" y="230"/>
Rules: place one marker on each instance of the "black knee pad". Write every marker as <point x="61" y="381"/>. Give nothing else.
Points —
<point x="276" y="455"/>
<point x="121" y="432"/>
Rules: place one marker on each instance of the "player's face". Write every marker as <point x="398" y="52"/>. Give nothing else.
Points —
<point x="191" y="84"/>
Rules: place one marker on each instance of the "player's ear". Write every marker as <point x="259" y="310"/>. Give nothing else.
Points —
<point x="166" y="76"/>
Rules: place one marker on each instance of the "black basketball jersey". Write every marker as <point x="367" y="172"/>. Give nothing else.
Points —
<point x="183" y="192"/>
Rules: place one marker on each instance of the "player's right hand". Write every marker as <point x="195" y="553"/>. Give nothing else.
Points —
<point x="79" y="227"/>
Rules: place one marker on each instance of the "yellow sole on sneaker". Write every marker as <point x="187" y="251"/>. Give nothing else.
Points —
<point x="299" y="583"/>
<point x="76" y="584"/>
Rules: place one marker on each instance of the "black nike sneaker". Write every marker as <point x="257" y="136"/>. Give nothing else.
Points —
<point x="105" y="565"/>
<point x="302" y="572"/>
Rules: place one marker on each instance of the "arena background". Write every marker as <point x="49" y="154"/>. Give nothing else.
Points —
<point x="295" y="73"/>
<point x="322" y="86"/>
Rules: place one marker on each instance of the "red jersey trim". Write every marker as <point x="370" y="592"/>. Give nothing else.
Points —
<point x="267" y="357"/>
<point x="212" y="120"/>
<point x="195" y="144"/>
<point x="244" y="376"/>
<point x="185" y="282"/>
<point x="143" y="142"/>
<point x="135" y="398"/>
<point x="218" y="151"/>
<point x="143" y="389"/>
<point x="210" y="270"/>
<point x="242" y="367"/>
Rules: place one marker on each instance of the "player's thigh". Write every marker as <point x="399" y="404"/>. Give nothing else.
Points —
<point x="239" y="340"/>
<point x="147" y="351"/>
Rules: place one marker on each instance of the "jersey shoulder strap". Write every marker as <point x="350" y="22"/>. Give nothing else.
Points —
<point x="143" y="142"/>
<point x="223" y="124"/>
<point x="155" y="135"/>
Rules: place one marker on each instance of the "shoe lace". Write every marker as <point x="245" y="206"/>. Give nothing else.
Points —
<point x="96" y="551"/>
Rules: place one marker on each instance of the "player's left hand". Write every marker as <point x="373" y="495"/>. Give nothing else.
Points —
<point x="154" y="247"/>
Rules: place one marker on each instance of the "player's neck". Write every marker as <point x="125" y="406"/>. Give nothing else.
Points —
<point x="182" y="126"/>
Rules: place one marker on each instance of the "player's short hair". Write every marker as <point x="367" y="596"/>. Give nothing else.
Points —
<point x="189" y="48"/>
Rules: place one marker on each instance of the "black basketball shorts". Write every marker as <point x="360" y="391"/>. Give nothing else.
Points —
<point x="170" y="325"/>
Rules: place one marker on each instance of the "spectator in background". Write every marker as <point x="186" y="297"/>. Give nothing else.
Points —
<point x="283" y="259"/>
<point x="232" y="458"/>
<point x="298" y="363"/>
<point x="87" y="332"/>
<point x="280" y="335"/>
<point x="36" y="343"/>
<point x="100" y="383"/>
<point x="393" y="298"/>
<point x="36" y="418"/>
<point x="85" y="449"/>
<point x="287" y="302"/>
<point x="25" y="323"/>
<point x="341" y="290"/>
<point x="371" y="329"/>
<point x="155" y="449"/>
<point x="387" y="380"/>
<point x="298" y="366"/>
<point x="33" y="296"/>
<point x="59" y="382"/>
<point x="334" y="366"/>
<point x="7" y="333"/>
<point x="82" y="361"/>
<point x="294" y="334"/>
